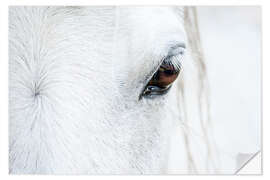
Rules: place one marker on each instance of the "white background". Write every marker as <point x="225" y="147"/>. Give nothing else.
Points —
<point x="4" y="74"/>
<point x="231" y="42"/>
<point x="231" y="39"/>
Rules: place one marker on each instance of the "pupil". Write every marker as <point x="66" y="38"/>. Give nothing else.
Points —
<point x="169" y="72"/>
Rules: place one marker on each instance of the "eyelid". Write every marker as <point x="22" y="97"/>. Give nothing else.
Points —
<point x="177" y="49"/>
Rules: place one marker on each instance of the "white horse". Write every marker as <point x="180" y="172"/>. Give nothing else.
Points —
<point x="93" y="90"/>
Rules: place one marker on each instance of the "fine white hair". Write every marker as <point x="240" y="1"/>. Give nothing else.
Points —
<point x="54" y="94"/>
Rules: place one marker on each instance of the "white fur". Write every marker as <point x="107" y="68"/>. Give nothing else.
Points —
<point x="75" y="75"/>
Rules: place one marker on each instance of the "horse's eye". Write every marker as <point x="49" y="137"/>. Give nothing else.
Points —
<point x="162" y="80"/>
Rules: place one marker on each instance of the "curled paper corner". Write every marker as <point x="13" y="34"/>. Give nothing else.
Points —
<point x="249" y="163"/>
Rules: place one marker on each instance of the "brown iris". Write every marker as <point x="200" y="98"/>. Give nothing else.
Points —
<point x="161" y="81"/>
<point x="164" y="77"/>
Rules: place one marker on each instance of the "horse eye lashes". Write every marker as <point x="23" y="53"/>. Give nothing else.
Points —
<point x="175" y="56"/>
<point x="174" y="62"/>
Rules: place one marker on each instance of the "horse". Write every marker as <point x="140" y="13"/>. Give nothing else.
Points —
<point x="99" y="89"/>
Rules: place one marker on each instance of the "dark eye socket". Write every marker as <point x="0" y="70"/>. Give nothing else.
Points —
<point x="161" y="81"/>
